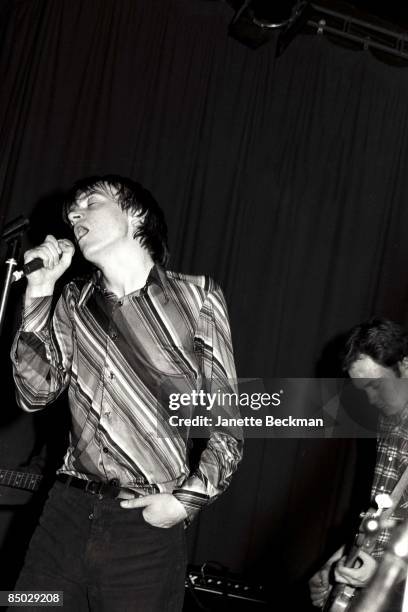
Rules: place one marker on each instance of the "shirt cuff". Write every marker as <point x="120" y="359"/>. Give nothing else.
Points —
<point x="192" y="502"/>
<point x="36" y="314"/>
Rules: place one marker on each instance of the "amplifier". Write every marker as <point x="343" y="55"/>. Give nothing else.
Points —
<point x="209" y="590"/>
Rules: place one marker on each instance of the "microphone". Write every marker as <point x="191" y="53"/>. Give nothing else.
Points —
<point x="32" y="266"/>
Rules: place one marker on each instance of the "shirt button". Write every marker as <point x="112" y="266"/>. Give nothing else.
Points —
<point x="105" y="449"/>
<point x="389" y="458"/>
<point x="91" y="516"/>
<point x="111" y="376"/>
<point x="112" y="333"/>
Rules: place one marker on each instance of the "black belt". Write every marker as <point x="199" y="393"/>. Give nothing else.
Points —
<point x="109" y="489"/>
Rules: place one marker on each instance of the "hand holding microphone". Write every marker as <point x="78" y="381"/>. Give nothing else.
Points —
<point x="48" y="262"/>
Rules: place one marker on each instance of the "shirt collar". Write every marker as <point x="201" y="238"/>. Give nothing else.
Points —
<point x="157" y="275"/>
<point x="388" y="423"/>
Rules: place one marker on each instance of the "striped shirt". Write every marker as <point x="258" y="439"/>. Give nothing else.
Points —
<point x="392" y="459"/>
<point x="121" y="359"/>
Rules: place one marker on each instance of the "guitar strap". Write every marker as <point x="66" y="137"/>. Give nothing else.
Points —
<point x="396" y="494"/>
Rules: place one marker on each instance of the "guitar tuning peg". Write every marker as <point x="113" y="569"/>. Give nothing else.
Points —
<point x="383" y="501"/>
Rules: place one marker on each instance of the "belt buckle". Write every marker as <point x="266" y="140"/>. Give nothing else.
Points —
<point x="94" y="487"/>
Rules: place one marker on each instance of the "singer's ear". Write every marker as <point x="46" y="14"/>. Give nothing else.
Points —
<point x="136" y="220"/>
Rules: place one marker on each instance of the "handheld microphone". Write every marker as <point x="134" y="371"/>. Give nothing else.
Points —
<point x="32" y="266"/>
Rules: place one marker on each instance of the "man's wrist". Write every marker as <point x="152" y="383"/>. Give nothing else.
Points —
<point x="39" y="291"/>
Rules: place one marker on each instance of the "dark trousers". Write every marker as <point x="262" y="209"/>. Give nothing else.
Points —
<point x="104" y="557"/>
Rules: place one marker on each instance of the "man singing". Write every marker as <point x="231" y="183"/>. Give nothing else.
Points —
<point x="111" y="536"/>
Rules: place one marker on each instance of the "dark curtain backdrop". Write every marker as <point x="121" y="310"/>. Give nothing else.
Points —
<point x="284" y="179"/>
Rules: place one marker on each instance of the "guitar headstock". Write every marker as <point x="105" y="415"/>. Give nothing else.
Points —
<point x="383" y="501"/>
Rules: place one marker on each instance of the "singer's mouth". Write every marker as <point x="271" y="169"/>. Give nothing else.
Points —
<point x="80" y="231"/>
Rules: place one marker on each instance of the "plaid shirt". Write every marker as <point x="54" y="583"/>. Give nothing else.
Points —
<point x="118" y="358"/>
<point x="392" y="459"/>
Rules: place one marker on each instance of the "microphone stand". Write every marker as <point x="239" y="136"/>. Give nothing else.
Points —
<point x="12" y="235"/>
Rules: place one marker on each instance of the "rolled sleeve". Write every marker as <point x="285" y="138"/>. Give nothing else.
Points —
<point x="223" y="451"/>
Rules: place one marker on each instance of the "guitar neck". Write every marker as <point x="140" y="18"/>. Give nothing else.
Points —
<point x="20" y="480"/>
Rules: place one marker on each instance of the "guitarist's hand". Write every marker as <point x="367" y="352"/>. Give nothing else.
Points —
<point x="356" y="576"/>
<point x="319" y="584"/>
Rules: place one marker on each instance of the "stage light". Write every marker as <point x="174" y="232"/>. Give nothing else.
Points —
<point x="256" y="20"/>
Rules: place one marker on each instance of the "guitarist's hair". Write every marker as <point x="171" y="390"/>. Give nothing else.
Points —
<point x="385" y="341"/>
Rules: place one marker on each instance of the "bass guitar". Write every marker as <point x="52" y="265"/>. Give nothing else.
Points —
<point x="341" y="595"/>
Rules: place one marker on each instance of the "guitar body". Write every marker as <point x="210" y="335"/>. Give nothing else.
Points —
<point x="340" y="598"/>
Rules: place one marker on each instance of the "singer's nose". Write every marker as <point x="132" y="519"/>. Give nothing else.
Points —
<point x="74" y="215"/>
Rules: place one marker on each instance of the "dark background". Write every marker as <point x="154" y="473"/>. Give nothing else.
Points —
<point x="285" y="179"/>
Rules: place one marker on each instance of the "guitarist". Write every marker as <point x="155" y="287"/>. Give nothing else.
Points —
<point x="376" y="357"/>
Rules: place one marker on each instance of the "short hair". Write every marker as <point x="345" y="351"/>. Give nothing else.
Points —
<point x="131" y="196"/>
<point x="385" y="341"/>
